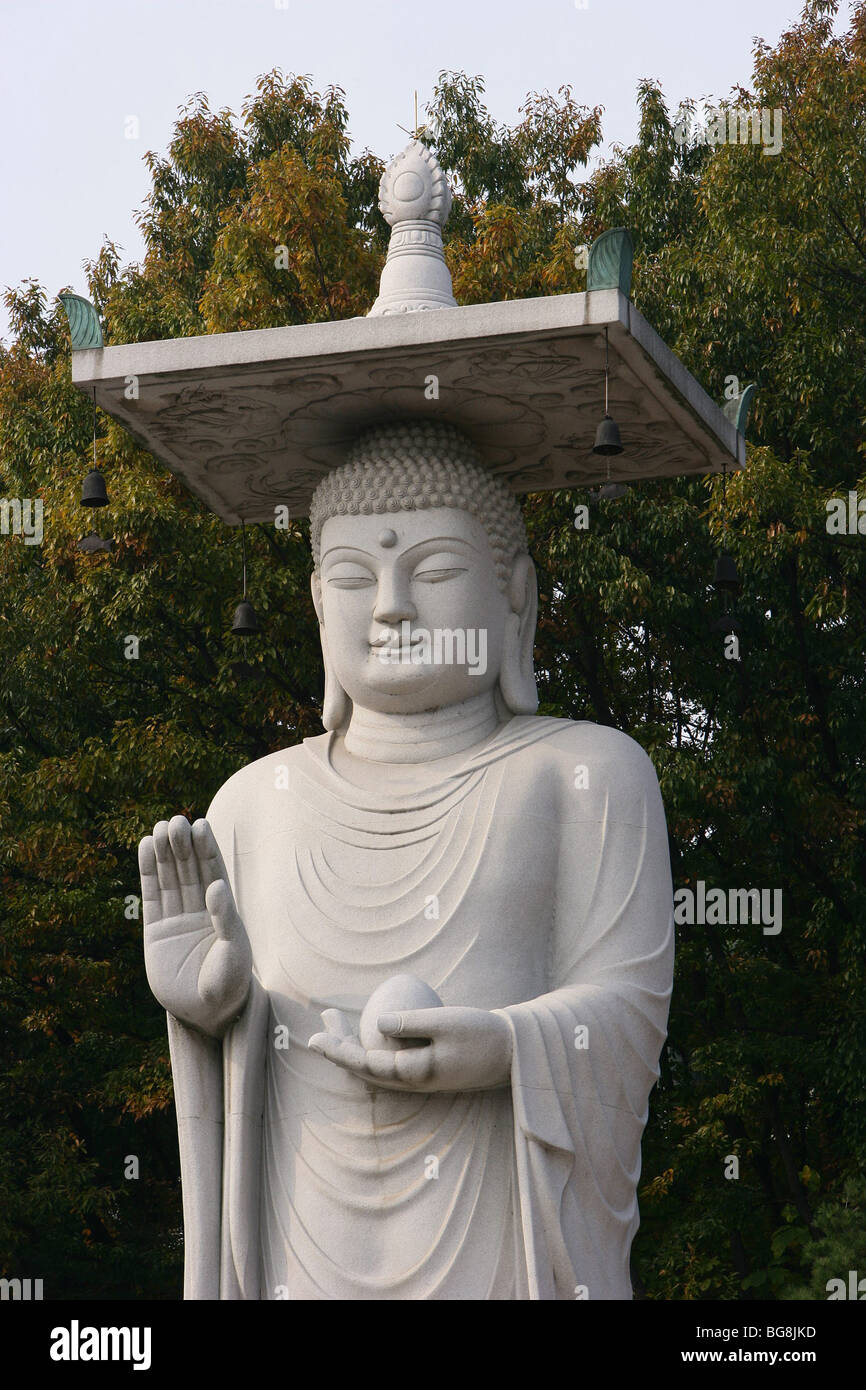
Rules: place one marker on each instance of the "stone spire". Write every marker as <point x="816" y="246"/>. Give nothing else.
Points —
<point x="415" y="200"/>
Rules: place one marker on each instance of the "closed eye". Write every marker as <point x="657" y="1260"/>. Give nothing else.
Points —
<point x="351" y="581"/>
<point x="437" y="576"/>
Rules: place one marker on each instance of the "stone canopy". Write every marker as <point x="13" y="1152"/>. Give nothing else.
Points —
<point x="254" y="420"/>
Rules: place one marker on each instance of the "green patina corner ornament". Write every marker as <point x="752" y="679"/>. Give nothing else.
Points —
<point x="610" y="261"/>
<point x="738" y="407"/>
<point x="84" y="326"/>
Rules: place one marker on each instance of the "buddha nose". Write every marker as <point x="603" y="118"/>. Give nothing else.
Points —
<point x="393" y="600"/>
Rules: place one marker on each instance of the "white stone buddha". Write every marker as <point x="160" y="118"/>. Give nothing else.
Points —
<point x="497" y="880"/>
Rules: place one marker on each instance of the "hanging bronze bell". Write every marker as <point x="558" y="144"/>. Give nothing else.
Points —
<point x="93" y="493"/>
<point x="725" y="575"/>
<point x="607" y="438"/>
<point x="245" y="623"/>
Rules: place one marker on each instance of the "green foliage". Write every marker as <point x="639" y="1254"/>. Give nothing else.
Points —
<point x="837" y="1247"/>
<point x="750" y="266"/>
<point x="747" y="265"/>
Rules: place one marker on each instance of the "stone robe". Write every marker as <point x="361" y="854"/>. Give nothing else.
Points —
<point x="533" y="880"/>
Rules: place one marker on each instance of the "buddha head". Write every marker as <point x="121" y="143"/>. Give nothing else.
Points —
<point x="423" y="585"/>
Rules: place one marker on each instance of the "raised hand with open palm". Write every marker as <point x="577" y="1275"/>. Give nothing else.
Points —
<point x="196" y="951"/>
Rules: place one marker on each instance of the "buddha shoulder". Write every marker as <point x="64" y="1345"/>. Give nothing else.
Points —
<point x="256" y="790"/>
<point x="582" y="756"/>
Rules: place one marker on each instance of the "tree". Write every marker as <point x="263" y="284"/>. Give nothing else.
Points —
<point x="751" y="266"/>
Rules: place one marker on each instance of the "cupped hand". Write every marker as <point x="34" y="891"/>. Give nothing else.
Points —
<point x="467" y="1050"/>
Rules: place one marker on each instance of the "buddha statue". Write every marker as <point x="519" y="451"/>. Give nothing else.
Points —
<point x="417" y="969"/>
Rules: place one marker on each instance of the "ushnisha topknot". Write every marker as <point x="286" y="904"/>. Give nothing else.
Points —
<point x="404" y="467"/>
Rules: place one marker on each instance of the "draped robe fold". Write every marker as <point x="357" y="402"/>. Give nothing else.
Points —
<point x="533" y="880"/>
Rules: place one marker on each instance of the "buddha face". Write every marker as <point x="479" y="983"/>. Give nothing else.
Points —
<point x="413" y="614"/>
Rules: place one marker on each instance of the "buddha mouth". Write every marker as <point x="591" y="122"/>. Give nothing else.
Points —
<point x="465" y="647"/>
<point x="394" y="646"/>
<point x="398" y="652"/>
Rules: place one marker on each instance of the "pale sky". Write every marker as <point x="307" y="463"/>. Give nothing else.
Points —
<point x="74" y="71"/>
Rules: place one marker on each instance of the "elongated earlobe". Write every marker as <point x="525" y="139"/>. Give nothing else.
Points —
<point x="336" y="706"/>
<point x="517" y="676"/>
